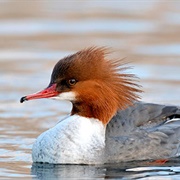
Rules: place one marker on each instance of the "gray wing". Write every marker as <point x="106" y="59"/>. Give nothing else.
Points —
<point x="143" y="131"/>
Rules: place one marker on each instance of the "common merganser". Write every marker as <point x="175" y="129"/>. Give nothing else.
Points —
<point x="107" y="123"/>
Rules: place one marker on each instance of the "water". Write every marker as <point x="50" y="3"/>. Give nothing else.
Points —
<point x="35" y="35"/>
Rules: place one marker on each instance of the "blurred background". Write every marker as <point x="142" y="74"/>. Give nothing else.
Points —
<point x="34" y="35"/>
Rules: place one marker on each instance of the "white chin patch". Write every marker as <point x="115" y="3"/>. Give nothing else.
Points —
<point x="68" y="96"/>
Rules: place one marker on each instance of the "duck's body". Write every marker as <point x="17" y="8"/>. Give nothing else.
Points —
<point x="143" y="131"/>
<point x="105" y="125"/>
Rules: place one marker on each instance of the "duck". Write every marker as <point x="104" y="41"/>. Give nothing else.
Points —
<point x="108" y="123"/>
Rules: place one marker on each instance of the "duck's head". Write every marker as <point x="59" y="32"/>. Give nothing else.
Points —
<point x="96" y="86"/>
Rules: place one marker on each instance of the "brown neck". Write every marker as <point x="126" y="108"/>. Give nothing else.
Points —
<point x="101" y="112"/>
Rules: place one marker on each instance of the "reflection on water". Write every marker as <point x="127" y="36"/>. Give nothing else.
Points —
<point x="130" y="170"/>
<point x="47" y="171"/>
<point x="35" y="35"/>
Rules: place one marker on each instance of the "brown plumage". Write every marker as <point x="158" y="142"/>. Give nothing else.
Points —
<point x="102" y="85"/>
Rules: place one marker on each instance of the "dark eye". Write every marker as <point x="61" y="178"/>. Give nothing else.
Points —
<point x="71" y="82"/>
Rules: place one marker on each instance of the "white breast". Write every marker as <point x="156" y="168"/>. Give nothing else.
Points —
<point x="74" y="140"/>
